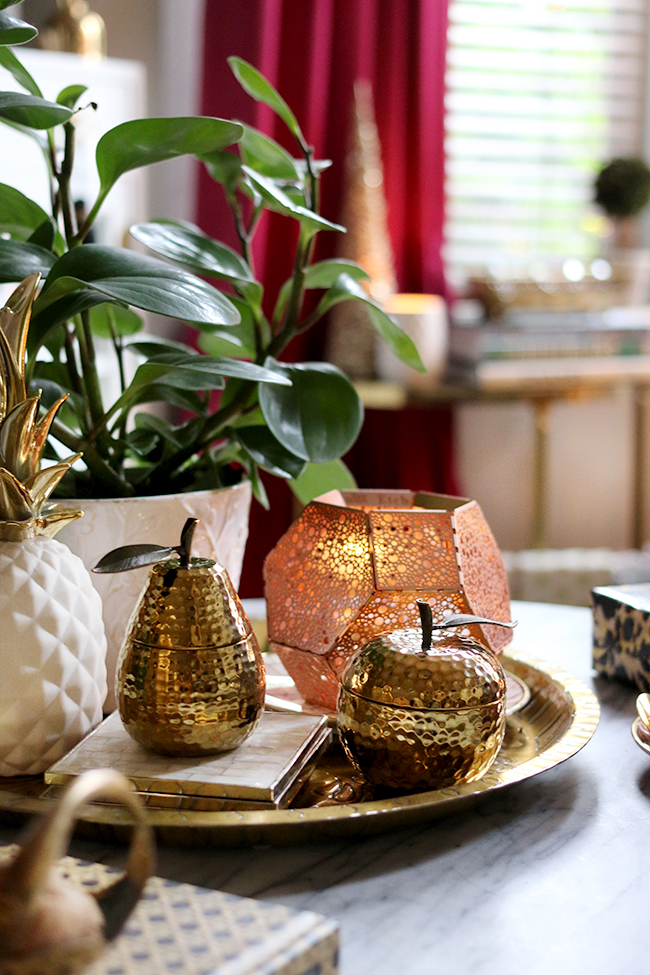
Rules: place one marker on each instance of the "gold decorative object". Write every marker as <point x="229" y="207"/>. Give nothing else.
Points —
<point x="49" y="926"/>
<point x="367" y="241"/>
<point x="422" y="710"/>
<point x="190" y="676"/>
<point x="53" y="647"/>
<point x="558" y="721"/>
<point x="75" y="28"/>
<point x="24" y="487"/>
<point x="351" y="566"/>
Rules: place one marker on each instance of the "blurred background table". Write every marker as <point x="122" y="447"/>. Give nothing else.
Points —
<point x="541" y="383"/>
<point x="549" y="875"/>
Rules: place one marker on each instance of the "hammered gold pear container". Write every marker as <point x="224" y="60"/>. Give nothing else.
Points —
<point x="190" y="676"/>
<point x="423" y="709"/>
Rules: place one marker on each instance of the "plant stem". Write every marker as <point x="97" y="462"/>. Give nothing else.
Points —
<point x="63" y="178"/>
<point x="212" y="428"/>
<point x="98" y="467"/>
<point x="71" y="361"/>
<point x="93" y="392"/>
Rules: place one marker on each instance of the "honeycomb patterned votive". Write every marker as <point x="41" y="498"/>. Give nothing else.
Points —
<point x="351" y="566"/>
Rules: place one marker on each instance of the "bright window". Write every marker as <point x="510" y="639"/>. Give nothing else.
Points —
<point x="540" y="94"/>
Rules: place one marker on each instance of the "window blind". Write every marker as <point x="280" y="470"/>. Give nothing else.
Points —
<point x="539" y="96"/>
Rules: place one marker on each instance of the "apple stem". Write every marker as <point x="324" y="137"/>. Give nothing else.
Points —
<point x="427" y="623"/>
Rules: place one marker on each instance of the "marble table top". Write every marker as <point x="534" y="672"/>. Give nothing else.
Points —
<point x="550" y="875"/>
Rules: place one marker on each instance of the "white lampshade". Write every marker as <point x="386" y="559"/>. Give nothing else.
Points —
<point x="424" y="319"/>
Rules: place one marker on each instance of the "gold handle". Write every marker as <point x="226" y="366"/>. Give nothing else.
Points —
<point x="32" y="902"/>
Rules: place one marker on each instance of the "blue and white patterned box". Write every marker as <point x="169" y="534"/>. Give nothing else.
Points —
<point x="186" y="930"/>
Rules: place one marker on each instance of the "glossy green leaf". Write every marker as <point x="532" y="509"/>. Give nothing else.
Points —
<point x="20" y="74"/>
<point x="142" y="442"/>
<point x="17" y="260"/>
<point x="187" y="245"/>
<point x="210" y="366"/>
<point x="19" y="216"/>
<point x="184" y="399"/>
<point x="133" y="557"/>
<point x="277" y="199"/>
<point x="317" y="166"/>
<point x="260" y="444"/>
<point x="152" y="347"/>
<point x="70" y="96"/>
<point x="29" y="110"/>
<point x="224" y="167"/>
<point x="44" y="235"/>
<point x="166" y="374"/>
<point x="142" y="142"/>
<point x="397" y="341"/>
<point x="158" y="424"/>
<point x="14" y="31"/>
<point x="318" y="479"/>
<point x="67" y="297"/>
<point x="319" y="416"/>
<point x="344" y="288"/>
<point x="322" y="274"/>
<point x="267" y="156"/>
<point x="257" y="484"/>
<point x="141" y="281"/>
<point x="237" y="341"/>
<point x="259" y="88"/>
<point x="108" y="319"/>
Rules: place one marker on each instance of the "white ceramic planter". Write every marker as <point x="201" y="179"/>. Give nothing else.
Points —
<point x="108" y="523"/>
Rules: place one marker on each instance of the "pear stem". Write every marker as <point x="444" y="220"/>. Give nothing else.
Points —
<point x="186" y="542"/>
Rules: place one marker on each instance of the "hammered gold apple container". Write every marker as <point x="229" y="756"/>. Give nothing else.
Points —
<point x="423" y="709"/>
<point x="190" y="676"/>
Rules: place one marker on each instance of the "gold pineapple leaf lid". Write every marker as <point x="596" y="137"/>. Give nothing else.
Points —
<point x="24" y="487"/>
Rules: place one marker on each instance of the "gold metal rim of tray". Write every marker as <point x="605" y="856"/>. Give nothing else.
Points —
<point x="557" y="722"/>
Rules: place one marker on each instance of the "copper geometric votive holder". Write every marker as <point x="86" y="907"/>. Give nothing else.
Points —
<point x="354" y="562"/>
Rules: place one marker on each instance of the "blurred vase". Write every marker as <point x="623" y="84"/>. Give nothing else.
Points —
<point x="424" y="319"/>
<point x="75" y="28"/>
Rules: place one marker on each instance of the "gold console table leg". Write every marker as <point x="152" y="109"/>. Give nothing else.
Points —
<point x="540" y="471"/>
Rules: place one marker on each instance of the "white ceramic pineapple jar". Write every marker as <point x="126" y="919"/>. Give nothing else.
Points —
<point x="52" y="642"/>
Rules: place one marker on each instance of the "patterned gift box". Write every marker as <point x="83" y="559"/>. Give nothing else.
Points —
<point x="622" y="633"/>
<point x="194" y="931"/>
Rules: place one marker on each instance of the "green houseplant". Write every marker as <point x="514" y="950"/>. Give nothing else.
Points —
<point x="294" y="420"/>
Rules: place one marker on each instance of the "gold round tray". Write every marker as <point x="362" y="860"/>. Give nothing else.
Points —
<point x="558" y="720"/>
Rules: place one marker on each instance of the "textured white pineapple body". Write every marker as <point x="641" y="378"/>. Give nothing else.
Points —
<point x="52" y="654"/>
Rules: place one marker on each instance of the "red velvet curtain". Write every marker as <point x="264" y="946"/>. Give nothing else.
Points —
<point x="312" y="51"/>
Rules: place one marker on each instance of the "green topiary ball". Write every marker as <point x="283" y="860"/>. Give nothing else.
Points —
<point x="623" y="187"/>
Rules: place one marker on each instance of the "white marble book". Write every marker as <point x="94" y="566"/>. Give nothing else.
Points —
<point x="265" y="771"/>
